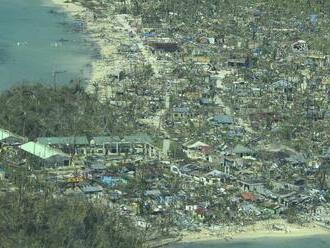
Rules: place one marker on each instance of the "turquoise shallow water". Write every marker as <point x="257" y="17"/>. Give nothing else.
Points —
<point x="35" y="42"/>
<point x="322" y="241"/>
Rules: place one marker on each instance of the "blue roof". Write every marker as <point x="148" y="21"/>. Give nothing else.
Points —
<point x="98" y="166"/>
<point x="153" y="192"/>
<point x="181" y="109"/>
<point x="223" y="119"/>
<point x="282" y="84"/>
<point x="313" y="18"/>
<point x="257" y="13"/>
<point x="112" y="181"/>
<point x="257" y="50"/>
<point x="204" y="100"/>
<point x="149" y="34"/>
<point x="188" y="38"/>
<point x="234" y="133"/>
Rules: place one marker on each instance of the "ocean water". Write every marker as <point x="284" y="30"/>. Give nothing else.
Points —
<point x="38" y="44"/>
<point x="319" y="241"/>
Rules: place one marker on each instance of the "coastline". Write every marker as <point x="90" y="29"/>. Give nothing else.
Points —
<point x="261" y="229"/>
<point x="75" y="9"/>
<point x="106" y="34"/>
<point x="69" y="7"/>
<point x="109" y="33"/>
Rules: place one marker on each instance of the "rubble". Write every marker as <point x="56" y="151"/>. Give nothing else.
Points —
<point x="239" y="121"/>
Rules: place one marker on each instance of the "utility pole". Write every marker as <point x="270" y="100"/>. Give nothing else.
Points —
<point x="55" y="75"/>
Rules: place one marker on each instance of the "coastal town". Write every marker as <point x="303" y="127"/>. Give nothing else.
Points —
<point x="219" y="122"/>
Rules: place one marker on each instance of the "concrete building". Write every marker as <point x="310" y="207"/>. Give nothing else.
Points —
<point x="70" y="144"/>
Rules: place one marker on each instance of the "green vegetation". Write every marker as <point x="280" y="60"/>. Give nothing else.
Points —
<point x="40" y="221"/>
<point x="31" y="218"/>
<point x="41" y="110"/>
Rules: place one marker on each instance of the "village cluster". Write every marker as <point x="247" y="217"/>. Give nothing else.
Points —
<point x="230" y="126"/>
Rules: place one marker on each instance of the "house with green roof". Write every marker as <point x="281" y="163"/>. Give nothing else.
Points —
<point x="45" y="155"/>
<point x="69" y="144"/>
<point x="70" y="140"/>
<point x="7" y="137"/>
<point x="101" y="140"/>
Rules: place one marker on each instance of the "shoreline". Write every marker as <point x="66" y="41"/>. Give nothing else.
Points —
<point x="75" y="9"/>
<point x="257" y="231"/>
<point x="69" y="7"/>
<point x="106" y="34"/>
<point x="253" y="236"/>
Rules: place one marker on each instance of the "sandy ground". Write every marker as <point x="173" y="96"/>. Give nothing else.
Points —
<point x="261" y="229"/>
<point x="109" y="33"/>
<point x="99" y="66"/>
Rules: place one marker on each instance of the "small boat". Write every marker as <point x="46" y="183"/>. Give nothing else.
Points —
<point x="63" y="40"/>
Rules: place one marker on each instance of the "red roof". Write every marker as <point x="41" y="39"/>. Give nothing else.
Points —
<point x="248" y="196"/>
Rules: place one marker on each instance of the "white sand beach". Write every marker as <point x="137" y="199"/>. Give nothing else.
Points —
<point x="262" y="229"/>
